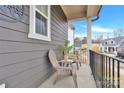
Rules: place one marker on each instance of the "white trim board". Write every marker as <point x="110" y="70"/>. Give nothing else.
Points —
<point x="32" y="32"/>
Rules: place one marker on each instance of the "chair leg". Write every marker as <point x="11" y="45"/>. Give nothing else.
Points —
<point x="71" y="73"/>
<point x="80" y="64"/>
<point x="57" y="77"/>
<point x="74" y="75"/>
<point x="77" y="65"/>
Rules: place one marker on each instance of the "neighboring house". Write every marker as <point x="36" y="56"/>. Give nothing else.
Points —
<point x="111" y="45"/>
<point x="23" y="53"/>
<point x="95" y="45"/>
<point x="77" y="44"/>
<point x="71" y="36"/>
<point x="120" y="52"/>
<point x="121" y="47"/>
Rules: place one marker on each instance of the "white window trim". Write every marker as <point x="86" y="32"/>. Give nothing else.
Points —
<point x="32" y="33"/>
<point x="110" y="41"/>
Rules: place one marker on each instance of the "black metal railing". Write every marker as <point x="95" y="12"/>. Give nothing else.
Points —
<point x="105" y="69"/>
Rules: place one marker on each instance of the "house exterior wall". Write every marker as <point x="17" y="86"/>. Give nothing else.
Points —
<point x="121" y="48"/>
<point x="77" y="45"/>
<point x="109" y="49"/>
<point x="23" y="61"/>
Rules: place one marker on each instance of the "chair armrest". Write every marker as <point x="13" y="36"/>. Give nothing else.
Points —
<point x="61" y="63"/>
<point x="64" y="68"/>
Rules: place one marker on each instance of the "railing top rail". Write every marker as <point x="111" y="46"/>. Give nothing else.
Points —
<point x="120" y="60"/>
<point x="84" y="49"/>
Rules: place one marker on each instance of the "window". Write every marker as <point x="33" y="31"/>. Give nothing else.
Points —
<point x="40" y="22"/>
<point x="112" y="42"/>
<point x="106" y="43"/>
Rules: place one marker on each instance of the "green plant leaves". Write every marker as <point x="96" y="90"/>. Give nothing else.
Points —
<point x="66" y="48"/>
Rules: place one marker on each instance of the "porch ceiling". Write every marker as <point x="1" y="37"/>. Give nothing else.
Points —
<point x="78" y="12"/>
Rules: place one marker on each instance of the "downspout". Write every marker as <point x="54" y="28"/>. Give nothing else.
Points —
<point x="95" y="19"/>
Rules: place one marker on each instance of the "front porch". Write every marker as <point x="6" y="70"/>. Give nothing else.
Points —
<point x="25" y="63"/>
<point x="24" y="54"/>
<point x="102" y="71"/>
<point x="84" y="74"/>
<point x="84" y="78"/>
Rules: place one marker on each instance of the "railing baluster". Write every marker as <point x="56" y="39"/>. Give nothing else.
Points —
<point x="118" y="74"/>
<point x="109" y="72"/>
<point x="102" y="65"/>
<point x="90" y="60"/>
<point x="106" y="71"/>
<point x="113" y="73"/>
<point x="94" y="65"/>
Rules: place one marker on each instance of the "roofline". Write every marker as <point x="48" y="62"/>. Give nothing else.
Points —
<point x="112" y="38"/>
<point x="120" y="42"/>
<point x="85" y="17"/>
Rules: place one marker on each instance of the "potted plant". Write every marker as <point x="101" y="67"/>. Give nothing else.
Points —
<point x="66" y="48"/>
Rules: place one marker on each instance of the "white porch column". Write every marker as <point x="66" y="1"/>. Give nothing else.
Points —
<point x="107" y="49"/>
<point x="115" y="49"/>
<point x="89" y="38"/>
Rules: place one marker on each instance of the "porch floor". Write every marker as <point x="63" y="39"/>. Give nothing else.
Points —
<point x="84" y="79"/>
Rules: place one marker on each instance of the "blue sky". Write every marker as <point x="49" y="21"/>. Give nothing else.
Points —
<point x="111" y="18"/>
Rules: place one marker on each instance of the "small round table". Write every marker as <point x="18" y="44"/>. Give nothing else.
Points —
<point x="68" y="63"/>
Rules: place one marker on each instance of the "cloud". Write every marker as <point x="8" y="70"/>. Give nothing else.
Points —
<point x="81" y="26"/>
<point x="96" y="28"/>
<point x="81" y="31"/>
<point x="101" y="29"/>
<point x="81" y="35"/>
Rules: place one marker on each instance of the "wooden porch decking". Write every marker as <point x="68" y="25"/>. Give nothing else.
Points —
<point x="84" y="79"/>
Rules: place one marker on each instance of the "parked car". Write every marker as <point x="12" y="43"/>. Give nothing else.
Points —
<point x="120" y="54"/>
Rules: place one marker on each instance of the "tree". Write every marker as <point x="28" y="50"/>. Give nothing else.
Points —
<point x="84" y="40"/>
<point x="118" y="32"/>
<point x="99" y="38"/>
<point x="66" y="48"/>
<point x="77" y="39"/>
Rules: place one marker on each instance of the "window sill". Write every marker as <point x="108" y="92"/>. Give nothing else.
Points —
<point x="39" y="37"/>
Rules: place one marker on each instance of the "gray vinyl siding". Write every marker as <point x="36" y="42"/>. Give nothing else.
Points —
<point x="23" y="61"/>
